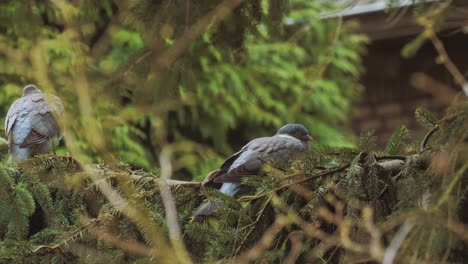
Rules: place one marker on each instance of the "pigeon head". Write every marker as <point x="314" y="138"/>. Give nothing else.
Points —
<point x="295" y="130"/>
<point x="29" y="89"/>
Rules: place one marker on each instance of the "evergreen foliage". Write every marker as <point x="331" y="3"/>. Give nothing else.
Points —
<point x="339" y="204"/>
<point x="264" y="64"/>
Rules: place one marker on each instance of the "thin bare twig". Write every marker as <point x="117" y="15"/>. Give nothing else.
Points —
<point x="296" y="245"/>
<point x="252" y="225"/>
<point x="323" y="174"/>
<point x="392" y="157"/>
<point x="453" y="182"/>
<point x="76" y="233"/>
<point x="170" y="182"/>
<point x="265" y="241"/>
<point x="137" y="61"/>
<point x="170" y="206"/>
<point x="448" y="63"/>
<point x="440" y="91"/>
<point x="168" y="199"/>
<point x="130" y="246"/>
<point x="395" y="244"/>
<point x="376" y="247"/>
<point x="160" y="248"/>
<point x="86" y="253"/>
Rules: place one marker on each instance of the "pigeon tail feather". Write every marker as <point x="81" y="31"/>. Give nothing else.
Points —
<point x="210" y="207"/>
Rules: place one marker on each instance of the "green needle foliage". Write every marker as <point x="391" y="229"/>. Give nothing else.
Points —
<point x="127" y="92"/>
<point x="160" y="89"/>
<point x="335" y="205"/>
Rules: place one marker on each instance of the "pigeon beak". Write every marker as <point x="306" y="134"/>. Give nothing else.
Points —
<point x="309" y="138"/>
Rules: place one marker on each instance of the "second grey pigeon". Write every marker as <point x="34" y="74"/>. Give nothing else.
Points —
<point x="290" y="141"/>
<point x="30" y="123"/>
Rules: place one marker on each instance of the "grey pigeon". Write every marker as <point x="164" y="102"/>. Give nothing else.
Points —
<point x="289" y="142"/>
<point x="30" y="123"/>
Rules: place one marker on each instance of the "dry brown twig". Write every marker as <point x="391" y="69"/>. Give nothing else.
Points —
<point x="75" y="234"/>
<point x="428" y="22"/>
<point x="440" y="91"/>
<point x="264" y="242"/>
<point x="132" y="247"/>
<point x="296" y="244"/>
<point x="160" y="248"/>
<point x="445" y="59"/>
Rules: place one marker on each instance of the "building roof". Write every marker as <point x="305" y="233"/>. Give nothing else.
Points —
<point x="358" y="7"/>
<point x="379" y="20"/>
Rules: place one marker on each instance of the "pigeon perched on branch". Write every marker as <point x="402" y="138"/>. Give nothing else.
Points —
<point x="289" y="142"/>
<point x="31" y="123"/>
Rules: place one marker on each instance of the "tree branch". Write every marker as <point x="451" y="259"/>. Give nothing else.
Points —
<point x="449" y="65"/>
<point x="440" y="91"/>
<point x="170" y="206"/>
<point x="426" y="138"/>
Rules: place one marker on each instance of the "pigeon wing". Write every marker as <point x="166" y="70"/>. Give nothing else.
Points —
<point x="212" y="176"/>
<point x="43" y="122"/>
<point x="12" y="114"/>
<point x="17" y="124"/>
<point x="33" y="138"/>
<point x="228" y="163"/>
<point x="256" y="153"/>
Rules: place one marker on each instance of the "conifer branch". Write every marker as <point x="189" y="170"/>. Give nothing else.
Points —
<point x="392" y="165"/>
<point x="170" y="182"/>
<point x="319" y="175"/>
<point x="86" y="253"/>
<point x="132" y="247"/>
<point x="426" y="138"/>
<point x="43" y="249"/>
<point x="323" y="174"/>
<point x="252" y="225"/>
<point x="332" y="153"/>
<point x="389" y="157"/>
<point x="139" y="216"/>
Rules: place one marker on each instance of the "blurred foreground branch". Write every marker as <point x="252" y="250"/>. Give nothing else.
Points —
<point x="445" y="59"/>
<point x="429" y="22"/>
<point x="440" y="91"/>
